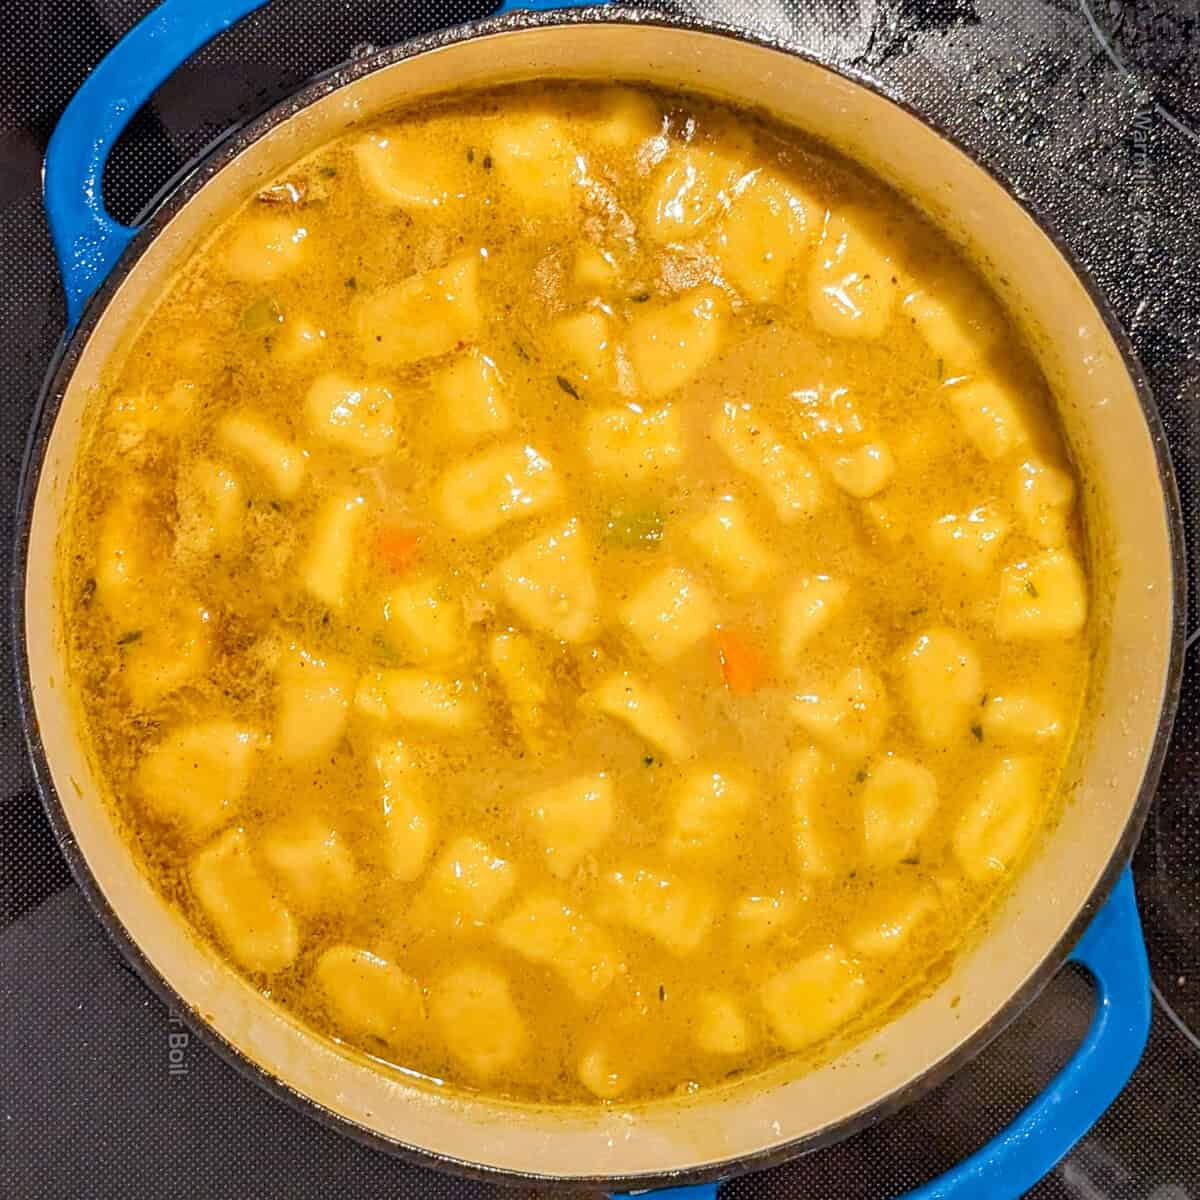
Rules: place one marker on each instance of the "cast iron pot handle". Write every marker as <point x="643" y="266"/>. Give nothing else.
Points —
<point x="86" y="238"/>
<point x="88" y="241"/>
<point x="1114" y="953"/>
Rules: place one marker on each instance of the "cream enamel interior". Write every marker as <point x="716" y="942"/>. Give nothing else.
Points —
<point x="1108" y="434"/>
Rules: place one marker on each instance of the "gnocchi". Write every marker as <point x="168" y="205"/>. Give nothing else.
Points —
<point x="478" y="1018"/>
<point x="195" y="777"/>
<point x="571" y="820"/>
<point x="358" y="416"/>
<point x="785" y="475"/>
<point x="408" y="822"/>
<point x="368" y="996"/>
<point x="854" y="283"/>
<point x="471" y="391"/>
<point x="549" y="583"/>
<point x="506" y="483"/>
<point x="551" y="934"/>
<point x="313" y="705"/>
<point x="577" y="593"/>
<point x="669" y="344"/>
<point x="669" y="614"/>
<point x="811" y="998"/>
<point x="249" y="918"/>
<point x="425" y="316"/>
<point x="674" y="912"/>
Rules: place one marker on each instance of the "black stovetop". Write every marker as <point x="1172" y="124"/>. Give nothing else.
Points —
<point x="1089" y="109"/>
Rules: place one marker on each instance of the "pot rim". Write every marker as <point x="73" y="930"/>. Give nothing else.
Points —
<point x="158" y="215"/>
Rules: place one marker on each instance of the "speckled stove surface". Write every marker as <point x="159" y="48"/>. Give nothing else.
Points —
<point x="1093" y="110"/>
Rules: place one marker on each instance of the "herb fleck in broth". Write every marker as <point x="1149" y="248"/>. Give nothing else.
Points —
<point x="578" y="591"/>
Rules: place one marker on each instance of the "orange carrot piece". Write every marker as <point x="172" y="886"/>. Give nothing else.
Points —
<point x="396" y="548"/>
<point x="744" y="668"/>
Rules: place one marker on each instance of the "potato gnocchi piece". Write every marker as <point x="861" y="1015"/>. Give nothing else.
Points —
<point x="125" y="555"/>
<point x="812" y="778"/>
<point x="943" y="684"/>
<point x="408" y="825"/>
<point x="669" y="614"/>
<point x="605" y="1073"/>
<point x="548" y="582"/>
<point x="471" y="393"/>
<point x="807" y="610"/>
<point x="369" y="997"/>
<point x="474" y="1010"/>
<point x="710" y="806"/>
<point x="762" y="236"/>
<point x="242" y="907"/>
<point x="466" y="884"/>
<point x="298" y="340"/>
<point x="501" y="484"/>
<point x="1043" y="496"/>
<point x="425" y="316"/>
<point x="810" y="999"/>
<point x="863" y="471"/>
<point x="195" y="777"/>
<point x="993" y="830"/>
<point x="438" y="703"/>
<point x="586" y="339"/>
<point x="264" y="247"/>
<point x="527" y="683"/>
<point x="854" y="283"/>
<point x="552" y="934"/>
<point x="887" y="521"/>
<point x="645" y="711"/>
<point x="594" y="269"/>
<point x="540" y="165"/>
<point x="756" y="919"/>
<point x="676" y="913"/>
<point x="970" y="541"/>
<point x="571" y="820"/>
<point x="423" y="621"/>
<point x="899" y="800"/>
<point x="623" y="119"/>
<point x="209" y="502"/>
<point x="312" y="705"/>
<point x="396" y="164"/>
<point x="725" y="537"/>
<point x="166" y="657"/>
<point x="312" y="862"/>
<point x="849" y="719"/>
<point x="135" y="417"/>
<point x="991" y="415"/>
<point x="719" y="1024"/>
<point x="687" y="191"/>
<point x="959" y="329"/>
<point x="1042" y="598"/>
<point x="828" y="414"/>
<point x="279" y="463"/>
<point x="353" y="415"/>
<point x="325" y="571"/>
<point x="670" y="343"/>
<point x="785" y="475"/>
<point x="627" y="446"/>
<point x="1021" y="717"/>
<point x="888" y="926"/>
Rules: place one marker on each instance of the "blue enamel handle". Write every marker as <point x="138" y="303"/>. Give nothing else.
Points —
<point x="86" y="238"/>
<point x="1113" y="951"/>
<point x="88" y="241"/>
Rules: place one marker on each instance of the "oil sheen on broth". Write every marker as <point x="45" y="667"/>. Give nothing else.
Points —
<point x="577" y="592"/>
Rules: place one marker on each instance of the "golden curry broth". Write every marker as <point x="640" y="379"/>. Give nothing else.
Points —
<point x="837" y="794"/>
